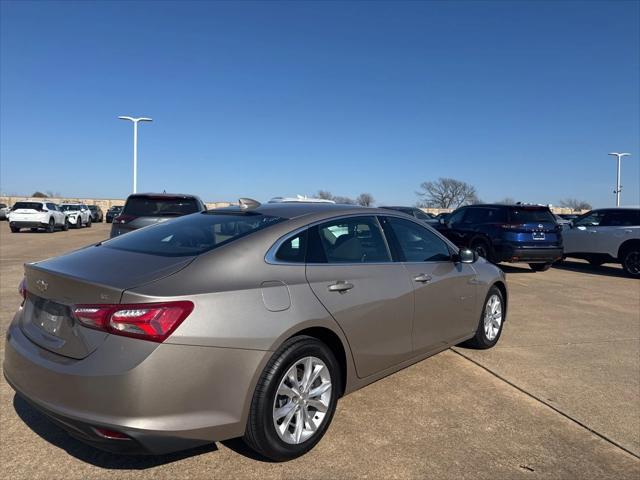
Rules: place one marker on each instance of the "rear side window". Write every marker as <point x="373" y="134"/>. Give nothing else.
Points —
<point x="621" y="218"/>
<point x="420" y="215"/>
<point x="531" y="215"/>
<point x="27" y="206"/>
<point x="485" y="215"/>
<point x="294" y="249"/>
<point x="416" y="243"/>
<point x="191" y="235"/>
<point x="352" y="240"/>
<point x="160" y="206"/>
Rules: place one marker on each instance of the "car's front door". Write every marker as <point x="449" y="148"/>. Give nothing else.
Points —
<point x="349" y="269"/>
<point x="445" y="291"/>
<point x="580" y="238"/>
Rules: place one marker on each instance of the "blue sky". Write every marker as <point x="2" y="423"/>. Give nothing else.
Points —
<point x="521" y="99"/>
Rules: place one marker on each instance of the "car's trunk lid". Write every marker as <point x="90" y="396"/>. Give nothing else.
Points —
<point x="93" y="275"/>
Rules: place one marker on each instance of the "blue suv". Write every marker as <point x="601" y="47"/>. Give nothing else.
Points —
<point x="507" y="233"/>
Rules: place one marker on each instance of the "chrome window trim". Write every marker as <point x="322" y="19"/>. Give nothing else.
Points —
<point x="270" y="256"/>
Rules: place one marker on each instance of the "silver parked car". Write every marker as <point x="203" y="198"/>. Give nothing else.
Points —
<point x="238" y="322"/>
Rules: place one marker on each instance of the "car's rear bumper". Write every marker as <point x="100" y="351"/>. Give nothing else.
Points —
<point x="164" y="397"/>
<point x="527" y="254"/>
<point x="28" y="224"/>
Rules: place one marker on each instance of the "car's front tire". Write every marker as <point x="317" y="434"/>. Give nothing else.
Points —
<point x="294" y="400"/>
<point x="51" y="227"/>
<point x="491" y="321"/>
<point x="65" y="225"/>
<point x="483" y="249"/>
<point x="89" y="223"/>
<point x="14" y="229"/>
<point x="78" y="222"/>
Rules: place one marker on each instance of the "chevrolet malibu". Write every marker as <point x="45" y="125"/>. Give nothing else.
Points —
<point x="245" y="322"/>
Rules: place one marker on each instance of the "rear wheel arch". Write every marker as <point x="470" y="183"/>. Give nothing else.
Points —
<point x="333" y="341"/>
<point x="625" y="246"/>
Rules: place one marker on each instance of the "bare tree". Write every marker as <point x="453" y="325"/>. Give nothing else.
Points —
<point x="365" y="199"/>
<point x="38" y="194"/>
<point x="324" y="195"/>
<point x="447" y="193"/>
<point x="507" y="201"/>
<point x="575" y="204"/>
<point x="344" y="200"/>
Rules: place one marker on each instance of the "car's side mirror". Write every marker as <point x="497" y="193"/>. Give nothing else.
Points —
<point x="466" y="255"/>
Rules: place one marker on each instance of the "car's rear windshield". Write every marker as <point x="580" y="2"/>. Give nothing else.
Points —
<point x="70" y="208"/>
<point x="531" y="215"/>
<point x="27" y="206"/>
<point x="93" y="207"/>
<point x="160" y="206"/>
<point x="193" y="234"/>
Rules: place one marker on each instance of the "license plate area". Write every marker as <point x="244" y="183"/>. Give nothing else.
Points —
<point x="47" y="315"/>
<point x="538" y="235"/>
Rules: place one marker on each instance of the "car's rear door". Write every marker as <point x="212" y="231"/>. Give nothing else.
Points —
<point x="445" y="291"/>
<point x="350" y="271"/>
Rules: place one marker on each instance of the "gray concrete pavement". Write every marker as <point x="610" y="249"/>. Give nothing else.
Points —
<point x="572" y="342"/>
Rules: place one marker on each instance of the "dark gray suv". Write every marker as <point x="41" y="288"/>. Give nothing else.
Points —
<point x="142" y="209"/>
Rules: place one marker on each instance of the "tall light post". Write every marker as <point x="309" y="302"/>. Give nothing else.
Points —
<point x="618" y="186"/>
<point x="135" y="146"/>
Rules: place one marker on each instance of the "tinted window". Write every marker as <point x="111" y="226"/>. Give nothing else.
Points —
<point x="621" y="218"/>
<point x="456" y="217"/>
<point x="294" y="249"/>
<point x="416" y="243"/>
<point x="475" y="216"/>
<point x="52" y="206"/>
<point x="28" y="206"/>
<point x="93" y="208"/>
<point x="531" y="215"/>
<point x="191" y="235"/>
<point x="160" y="206"/>
<point x="70" y="208"/>
<point x="353" y="240"/>
<point x="591" y="219"/>
<point x="478" y="215"/>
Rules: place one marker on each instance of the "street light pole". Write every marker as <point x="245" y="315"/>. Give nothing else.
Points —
<point x="135" y="146"/>
<point x="618" y="186"/>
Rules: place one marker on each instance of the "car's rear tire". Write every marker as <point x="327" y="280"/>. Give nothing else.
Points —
<point x="79" y="222"/>
<point x="491" y="321"/>
<point x="14" y="229"/>
<point x="483" y="249"/>
<point x="630" y="260"/>
<point x="540" y="267"/>
<point x="284" y="393"/>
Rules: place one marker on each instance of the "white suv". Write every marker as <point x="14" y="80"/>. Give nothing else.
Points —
<point x="35" y="215"/>
<point x="78" y="214"/>
<point x="605" y="236"/>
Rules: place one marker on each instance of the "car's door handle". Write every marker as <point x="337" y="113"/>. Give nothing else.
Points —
<point x="340" y="286"/>
<point x="423" y="278"/>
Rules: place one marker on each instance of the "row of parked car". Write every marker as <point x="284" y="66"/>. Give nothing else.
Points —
<point x="49" y="216"/>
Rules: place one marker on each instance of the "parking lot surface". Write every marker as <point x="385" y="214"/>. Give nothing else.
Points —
<point x="559" y="397"/>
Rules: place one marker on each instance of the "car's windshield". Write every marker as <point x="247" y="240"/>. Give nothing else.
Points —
<point x="66" y="208"/>
<point x="192" y="234"/>
<point x="27" y="206"/>
<point x="93" y="208"/>
<point x="160" y="206"/>
<point x="531" y="215"/>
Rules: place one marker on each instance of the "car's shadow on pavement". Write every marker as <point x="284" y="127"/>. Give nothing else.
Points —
<point x="50" y="432"/>
<point x="583" y="267"/>
<point x="514" y="269"/>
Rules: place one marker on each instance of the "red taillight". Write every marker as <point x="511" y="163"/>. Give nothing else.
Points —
<point x="123" y="218"/>
<point x="149" y="321"/>
<point x="510" y="226"/>
<point x="22" y="289"/>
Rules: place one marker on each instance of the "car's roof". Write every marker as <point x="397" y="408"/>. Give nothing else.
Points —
<point x="299" y="209"/>
<point x="393" y="207"/>
<point x="508" y="205"/>
<point x="163" y="194"/>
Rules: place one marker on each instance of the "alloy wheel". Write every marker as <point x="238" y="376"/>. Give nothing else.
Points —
<point x="302" y="400"/>
<point x="632" y="262"/>
<point x="492" y="317"/>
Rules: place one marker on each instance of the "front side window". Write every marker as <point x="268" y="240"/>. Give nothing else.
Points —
<point x="352" y="240"/>
<point x="591" y="219"/>
<point x="191" y="235"/>
<point x="418" y="244"/>
<point x="475" y="216"/>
